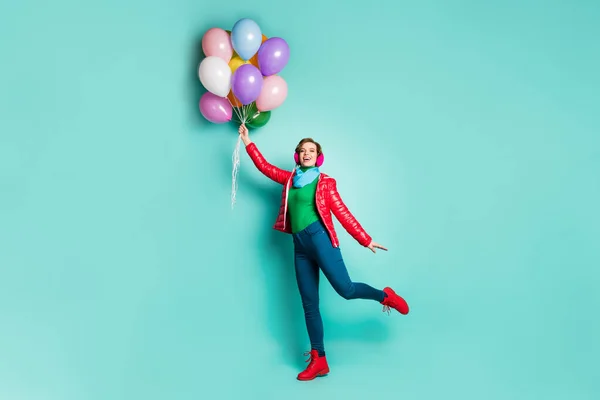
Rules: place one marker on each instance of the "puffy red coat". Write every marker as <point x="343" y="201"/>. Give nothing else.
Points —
<point x="327" y="199"/>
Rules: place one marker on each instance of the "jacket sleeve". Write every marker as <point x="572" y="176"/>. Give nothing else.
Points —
<point x="341" y="212"/>
<point x="270" y="171"/>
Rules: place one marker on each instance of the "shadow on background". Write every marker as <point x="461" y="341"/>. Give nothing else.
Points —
<point x="360" y="331"/>
<point x="286" y="317"/>
<point x="193" y="87"/>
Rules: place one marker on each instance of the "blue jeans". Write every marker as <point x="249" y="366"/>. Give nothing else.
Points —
<point x="313" y="251"/>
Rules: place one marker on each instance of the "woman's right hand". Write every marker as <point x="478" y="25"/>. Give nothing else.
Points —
<point x="244" y="134"/>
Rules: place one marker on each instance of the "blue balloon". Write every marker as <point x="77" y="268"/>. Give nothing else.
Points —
<point x="246" y="38"/>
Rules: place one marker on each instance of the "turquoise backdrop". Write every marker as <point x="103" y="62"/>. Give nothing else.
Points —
<point x="464" y="136"/>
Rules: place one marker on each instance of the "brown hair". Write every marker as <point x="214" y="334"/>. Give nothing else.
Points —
<point x="308" y="140"/>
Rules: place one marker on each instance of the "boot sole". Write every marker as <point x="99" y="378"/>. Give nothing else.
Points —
<point x="319" y="375"/>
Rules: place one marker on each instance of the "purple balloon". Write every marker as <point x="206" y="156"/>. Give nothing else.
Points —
<point x="273" y="55"/>
<point x="215" y="109"/>
<point x="246" y="83"/>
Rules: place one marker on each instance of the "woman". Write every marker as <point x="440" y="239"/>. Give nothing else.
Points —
<point x="308" y="199"/>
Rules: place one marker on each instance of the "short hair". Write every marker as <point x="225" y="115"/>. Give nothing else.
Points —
<point x="308" y="140"/>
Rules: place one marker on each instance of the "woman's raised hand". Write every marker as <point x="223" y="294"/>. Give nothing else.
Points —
<point x="243" y="131"/>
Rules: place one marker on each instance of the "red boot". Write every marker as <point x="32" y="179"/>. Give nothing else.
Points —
<point x="394" y="301"/>
<point x="317" y="367"/>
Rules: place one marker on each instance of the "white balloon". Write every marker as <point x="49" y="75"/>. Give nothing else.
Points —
<point x="215" y="75"/>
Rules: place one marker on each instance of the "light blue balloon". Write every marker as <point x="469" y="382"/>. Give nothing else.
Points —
<point x="246" y="38"/>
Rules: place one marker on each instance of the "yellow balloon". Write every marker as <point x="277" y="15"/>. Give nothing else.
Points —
<point x="235" y="63"/>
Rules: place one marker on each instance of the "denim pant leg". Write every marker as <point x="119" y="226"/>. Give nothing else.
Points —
<point x="332" y="264"/>
<point x="307" y="277"/>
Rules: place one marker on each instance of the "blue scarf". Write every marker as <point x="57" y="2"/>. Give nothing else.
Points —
<point x="302" y="178"/>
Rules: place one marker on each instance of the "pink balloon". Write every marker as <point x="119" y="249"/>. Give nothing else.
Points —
<point x="216" y="42"/>
<point x="215" y="109"/>
<point x="273" y="93"/>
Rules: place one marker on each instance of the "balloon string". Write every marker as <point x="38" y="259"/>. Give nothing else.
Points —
<point x="234" y="172"/>
<point x="236" y="110"/>
<point x="239" y="114"/>
<point x="236" y="156"/>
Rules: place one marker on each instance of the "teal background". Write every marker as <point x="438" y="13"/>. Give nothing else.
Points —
<point x="463" y="135"/>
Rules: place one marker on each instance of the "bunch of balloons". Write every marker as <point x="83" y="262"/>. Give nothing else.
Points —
<point x="240" y="73"/>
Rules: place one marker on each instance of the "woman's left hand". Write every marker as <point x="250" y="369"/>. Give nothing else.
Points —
<point x="375" y="245"/>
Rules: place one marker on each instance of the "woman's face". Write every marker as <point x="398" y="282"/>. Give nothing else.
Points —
<point x="308" y="155"/>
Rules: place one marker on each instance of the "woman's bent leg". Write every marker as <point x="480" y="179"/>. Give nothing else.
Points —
<point x="332" y="264"/>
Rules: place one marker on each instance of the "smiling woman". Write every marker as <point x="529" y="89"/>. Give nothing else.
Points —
<point x="308" y="199"/>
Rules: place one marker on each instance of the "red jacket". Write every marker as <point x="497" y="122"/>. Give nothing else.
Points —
<point x="327" y="198"/>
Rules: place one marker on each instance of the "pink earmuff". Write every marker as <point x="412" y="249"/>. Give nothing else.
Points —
<point x="319" y="162"/>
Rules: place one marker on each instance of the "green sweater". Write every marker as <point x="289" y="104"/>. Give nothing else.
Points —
<point x="302" y="208"/>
